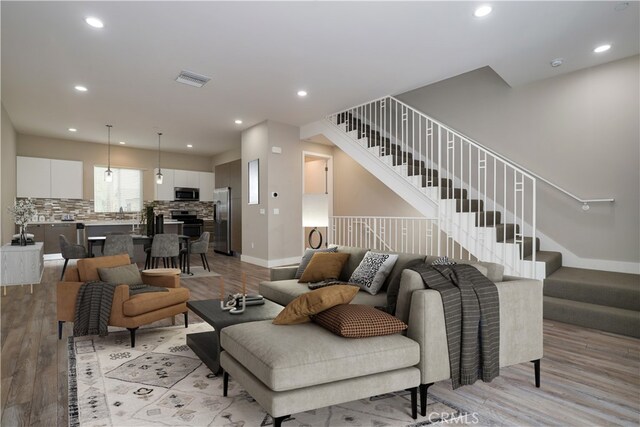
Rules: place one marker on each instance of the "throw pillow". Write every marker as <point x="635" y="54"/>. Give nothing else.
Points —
<point x="373" y="271"/>
<point x="313" y="302"/>
<point x="307" y="257"/>
<point x="358" y="321"/>
<point x="323" y="266"/>
<point x="122" y="275"/>
<point x="443" y="260"/>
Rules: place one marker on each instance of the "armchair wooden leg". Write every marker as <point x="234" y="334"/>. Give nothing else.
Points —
<point x="186" y="319"/>
<point x="133" y="336"/>
<point x="423" y="398"/>
<point x="225" y="383"/>
<point x="414" y="402"/>
<point x="536" y="367"/>
<point x="64" y="267"/>
<point x="60" y="324"/>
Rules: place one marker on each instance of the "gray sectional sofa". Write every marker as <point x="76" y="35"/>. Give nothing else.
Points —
<point x="421" y="309"/>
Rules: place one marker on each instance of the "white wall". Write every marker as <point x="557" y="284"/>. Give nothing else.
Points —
<point x="8" y="149"/>
<point x="579" y="130"/>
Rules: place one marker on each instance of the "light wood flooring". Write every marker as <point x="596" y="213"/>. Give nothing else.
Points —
<point x="588" y="377"/>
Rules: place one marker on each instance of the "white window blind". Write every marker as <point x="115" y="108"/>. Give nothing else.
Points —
<point x="124" y="191"/>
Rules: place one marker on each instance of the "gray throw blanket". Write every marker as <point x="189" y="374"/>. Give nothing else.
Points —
<point x="472" y="320"/>
<point x="93" y="306"/>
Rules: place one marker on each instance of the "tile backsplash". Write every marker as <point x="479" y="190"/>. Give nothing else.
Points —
<point x="82" y="210"/>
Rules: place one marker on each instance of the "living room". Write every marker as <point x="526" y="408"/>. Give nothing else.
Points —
<point x="555" y="104"/>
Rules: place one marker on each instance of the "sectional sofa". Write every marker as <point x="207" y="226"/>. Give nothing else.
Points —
<point x="421" y="309"/>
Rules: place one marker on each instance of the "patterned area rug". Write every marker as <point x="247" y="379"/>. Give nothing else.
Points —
<point x="162" y="382"/>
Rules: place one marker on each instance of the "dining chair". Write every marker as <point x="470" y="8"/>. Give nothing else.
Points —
<point x="165" y="247"/>
<point x="116" y="244"/>
<point x="201" y="246"/>
<point x="70" y="251"/>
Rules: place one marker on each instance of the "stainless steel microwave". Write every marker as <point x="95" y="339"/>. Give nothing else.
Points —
<point x="186" y="194"/>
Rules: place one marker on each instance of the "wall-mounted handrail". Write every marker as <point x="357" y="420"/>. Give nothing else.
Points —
<point x="585" y="202"/>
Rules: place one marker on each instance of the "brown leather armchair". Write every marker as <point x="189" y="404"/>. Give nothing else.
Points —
<point x="129" y="312"/>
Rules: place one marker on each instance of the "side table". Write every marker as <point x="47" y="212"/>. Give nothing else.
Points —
<point x="21" y="265"/>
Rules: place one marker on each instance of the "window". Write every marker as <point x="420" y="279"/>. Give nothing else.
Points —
<point x="124" y="191"/>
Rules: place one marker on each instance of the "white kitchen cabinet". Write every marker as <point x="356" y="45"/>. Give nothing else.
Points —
<point x="207" y="184"/>
<point x="66" y="179"/>
<point x="45" y="178"/>
<point x="164" y="191"/>
<point x="188" y="179"/>
<point x="33" y="177"/>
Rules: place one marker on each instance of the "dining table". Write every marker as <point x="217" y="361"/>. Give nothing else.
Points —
<point x="141" y="239"/>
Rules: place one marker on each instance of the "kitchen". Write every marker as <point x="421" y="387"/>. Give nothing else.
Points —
<point x="64" y="179"/>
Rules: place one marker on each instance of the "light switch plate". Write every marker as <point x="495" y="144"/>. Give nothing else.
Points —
<point x="276" y="211"/>
<point x="276" y="150"/>
<point x="262" y="212"/>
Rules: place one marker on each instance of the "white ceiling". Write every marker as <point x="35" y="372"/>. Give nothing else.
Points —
<point x="259" y="54"/>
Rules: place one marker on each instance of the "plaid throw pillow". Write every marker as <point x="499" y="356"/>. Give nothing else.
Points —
<point x="358" y="321"/>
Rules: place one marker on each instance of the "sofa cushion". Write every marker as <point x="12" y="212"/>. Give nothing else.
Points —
<point x="304" y="355"/>
<point x="373" y="271"/>
<point x="356" y="255"/>
<point x="494" y="271"/>
<point x="358" y="321"/>
<point x="88" y="267"/>
<point x="121" y="275"/>
<point x="313" y="302"/>
<point x="323" y="266"/>
<point x="152" y="301"/>
<point x="306" y="258"/>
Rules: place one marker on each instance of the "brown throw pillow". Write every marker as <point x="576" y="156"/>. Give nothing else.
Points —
<point x="358" y="321"/>
<point x="323" y="266"/>
<point x="299" y="310"/>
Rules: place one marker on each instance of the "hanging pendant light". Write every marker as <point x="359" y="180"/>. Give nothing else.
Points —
<point x="159" y="174"/>
<point x="108" y="174"/>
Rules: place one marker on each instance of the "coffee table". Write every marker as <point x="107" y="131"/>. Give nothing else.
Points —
<point x="206" y="345"/>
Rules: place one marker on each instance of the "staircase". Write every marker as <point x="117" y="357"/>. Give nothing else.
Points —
<point x="484" y="203"/>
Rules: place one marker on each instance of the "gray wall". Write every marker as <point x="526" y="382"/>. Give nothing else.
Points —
<point x="271" y="238"/>
<point x="8" y="149"/>
<point x="579" y="130"/>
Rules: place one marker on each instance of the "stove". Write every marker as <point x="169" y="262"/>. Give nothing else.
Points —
<point x="193" y="226"/>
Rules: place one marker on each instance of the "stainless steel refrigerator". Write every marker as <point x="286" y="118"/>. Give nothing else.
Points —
<point x="222" y="220"/>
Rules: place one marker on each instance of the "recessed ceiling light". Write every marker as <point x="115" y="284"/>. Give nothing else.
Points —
<point x="302" y="93"/>
<point x="557" y="62"/>
<point x="482" y="11"/>
<point x="602" y="48"/>
<point x="189" y="146"/>
<point x="238" y="122"/>
<point x="122" y="143"/>
<point x="80" y="88"/>
<point x="73" y="130"/>
<point x="94" y="22"/>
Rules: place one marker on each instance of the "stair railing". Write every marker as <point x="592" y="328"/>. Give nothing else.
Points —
<point x="474" y="186"/>
<point x="393" y="234"/>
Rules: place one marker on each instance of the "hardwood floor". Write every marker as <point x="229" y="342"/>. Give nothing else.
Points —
<point x="588" y="377"/>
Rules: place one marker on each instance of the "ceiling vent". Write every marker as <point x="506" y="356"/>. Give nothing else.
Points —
<point x="192" y="79"/>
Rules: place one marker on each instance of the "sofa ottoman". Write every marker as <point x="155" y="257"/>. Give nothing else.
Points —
<point x="296" y="368"/>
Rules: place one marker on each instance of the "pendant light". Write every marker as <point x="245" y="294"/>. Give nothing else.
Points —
<point x="108" y="174"/>
<point x="159" y="174"/>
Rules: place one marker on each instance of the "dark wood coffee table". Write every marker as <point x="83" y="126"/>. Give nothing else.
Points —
<point x="206" y="345"/>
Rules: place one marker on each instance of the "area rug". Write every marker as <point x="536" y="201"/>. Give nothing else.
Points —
<point x="198" y="272"/>
<point x="162" y="382"/>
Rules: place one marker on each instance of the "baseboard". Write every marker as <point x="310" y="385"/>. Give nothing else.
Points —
<point x="270" y="263"/>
